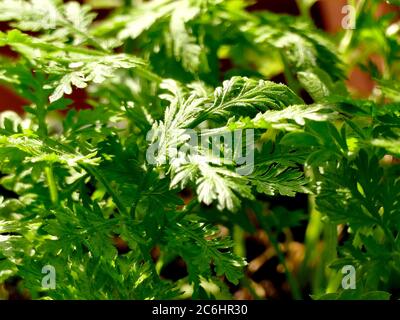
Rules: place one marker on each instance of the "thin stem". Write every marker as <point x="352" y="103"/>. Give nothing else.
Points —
<point x="52" y="185"/>
<point x="147" y="74"/>
<point x="238" y="239"/>
<point x="247" y="283"/>
<point x="312" y="236"/>
<point x="304" y="7"/>
<point x="185" y="210"/>
<point x="330" y="239"/>
<point x="41" y="111"/>
<point x="97" y="174"/>
<point x="41" y="116"/>
<point x="75" y="30"/>
<point x="290" y="278"/>
<point x="132" y="211"/>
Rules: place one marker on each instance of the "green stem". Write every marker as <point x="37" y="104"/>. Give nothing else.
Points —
<point x="246" y="282"/>
<point x="238" y="238"/>
<point x="312" y="237"/>
<point x="99" y="177"/>
<point x="324" y="279"/>
<point x="42" y="124"/>
<point x="290" y="278"/>
<point x="75" y="30"/>
<point x="52" y="185"/>
<point x="41" y="112"/>
<point x="305" y="7"/>
<point x="147" y="74"/>
<point x="330" y="238"/>
<point x="185" y="210"/>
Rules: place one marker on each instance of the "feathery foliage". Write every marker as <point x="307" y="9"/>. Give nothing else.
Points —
<point x="75" y="187"/>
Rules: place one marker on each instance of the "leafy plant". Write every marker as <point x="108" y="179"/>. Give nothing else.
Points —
<point x="75" y="187"/>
